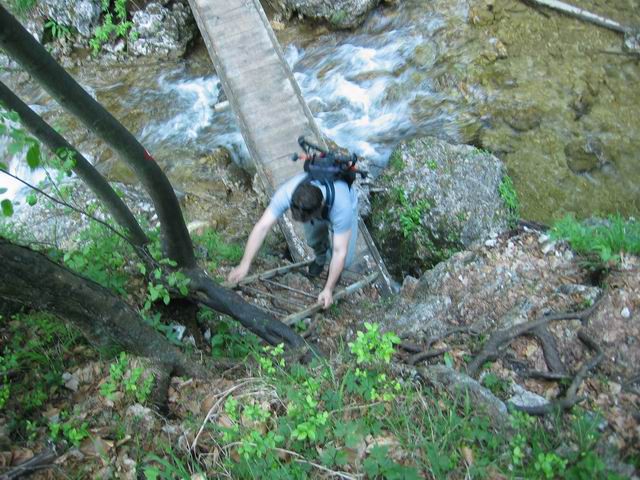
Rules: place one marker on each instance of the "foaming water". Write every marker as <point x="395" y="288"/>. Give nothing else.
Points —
<point x="17" y="166"/>
<point x="187" y="118"/>
<point x="357" y="85"/>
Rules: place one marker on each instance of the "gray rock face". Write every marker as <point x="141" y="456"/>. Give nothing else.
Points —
<point x="526" y="399"/>
<point x="162" y="31"/>
<point x="491" y="288"/>
<point x="82" y="15"/>
<point x="339" y="13"/>
<point x="438" y="198"/>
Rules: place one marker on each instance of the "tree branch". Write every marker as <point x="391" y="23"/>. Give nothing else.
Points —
<point x="501" y="337"/>
<point x="24" y="49"/>
<point x="83" y="168"/>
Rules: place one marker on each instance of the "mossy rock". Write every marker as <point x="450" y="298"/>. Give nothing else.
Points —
<point x="437" y="198"/>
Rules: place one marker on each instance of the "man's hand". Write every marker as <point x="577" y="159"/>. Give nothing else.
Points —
<point x="325" y="298"/>
<point x="237" y="274"/>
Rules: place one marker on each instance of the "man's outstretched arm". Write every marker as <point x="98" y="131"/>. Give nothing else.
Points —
<point x="338" y="257"/>
<point x="254" y="243"/>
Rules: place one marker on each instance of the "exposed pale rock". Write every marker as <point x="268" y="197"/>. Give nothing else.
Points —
<point x="82" y="15"/>
<point x="338" y="13"/>
<point x="162" y="31"/>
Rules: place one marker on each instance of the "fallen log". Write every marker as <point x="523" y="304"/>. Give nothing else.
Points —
<point x="581" y="14"/>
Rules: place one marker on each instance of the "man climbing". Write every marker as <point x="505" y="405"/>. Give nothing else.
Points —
<point x="327" y="206"/>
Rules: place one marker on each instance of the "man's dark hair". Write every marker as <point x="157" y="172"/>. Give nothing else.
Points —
<point x="306" y="202"/>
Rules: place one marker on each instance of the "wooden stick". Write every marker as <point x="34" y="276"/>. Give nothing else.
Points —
<point x="257" y="291"/>
<point x="41" y="461"/>
<point x="581" y="14"/>
<point x="268" y="274"/>
<point x="291" y="319"/>
<point x="287" y="287"/>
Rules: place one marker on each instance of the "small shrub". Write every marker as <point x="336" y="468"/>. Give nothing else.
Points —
<point x="133" y="382"/>
<point x="370" y="347"/>
<point x="57" y="30"/>
<point x="69" y="428"/>
<point x="510" y="198"/>
<point x="101" y="256"/>
<point x="118" y="29"/>
<point x="216" y="251"/>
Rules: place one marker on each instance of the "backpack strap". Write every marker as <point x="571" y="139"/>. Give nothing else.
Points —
<point x="331" y="195"/>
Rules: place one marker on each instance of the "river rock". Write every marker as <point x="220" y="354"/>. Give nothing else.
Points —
<point x="583" y="157"/>
<point x="163" y="32"/>
<point x="525" y="399"/>
<point x="82" y="15"/>
<point x="338" y="13"/>
<point x="459" y="384"/>
<point x="438" y="198"/>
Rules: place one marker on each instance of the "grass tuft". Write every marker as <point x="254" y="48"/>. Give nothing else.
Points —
<point x="608" y="239"/>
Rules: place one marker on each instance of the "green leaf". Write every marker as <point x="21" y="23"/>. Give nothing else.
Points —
<point x="448" y="360"/>
<point x="15" y="148"/>
<point x="7" y="208"/>
<point x="33" y="156"/>
<point x="4" y="166"/>
<point x="32" y="199"/>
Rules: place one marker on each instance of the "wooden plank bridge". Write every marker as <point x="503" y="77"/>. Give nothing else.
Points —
<point x="269" y="107"/>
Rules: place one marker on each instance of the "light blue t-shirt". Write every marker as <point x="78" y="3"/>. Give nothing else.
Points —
<point x="343" y="214"/>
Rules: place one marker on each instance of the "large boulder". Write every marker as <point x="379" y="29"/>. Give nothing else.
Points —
<point x="82" y="15"/>
<point x="492" y="286"/>
<point x="338" y="13"/>
<point x="437" y="198"/>
<point x="163" y="32"/>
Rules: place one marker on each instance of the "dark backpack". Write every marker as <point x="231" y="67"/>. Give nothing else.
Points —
<point x="326" y="167"/>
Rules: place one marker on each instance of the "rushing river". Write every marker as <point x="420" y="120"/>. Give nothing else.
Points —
<point x="555" y="99"/>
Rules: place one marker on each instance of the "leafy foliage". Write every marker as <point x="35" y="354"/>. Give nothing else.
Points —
<point x="57" y="30"/>
<point x="228" y="341"/>
<point x="411" y="213"/>
<point x="21" y="7"/>
<point x="109" y="29"/>
<point x="298" y="420"/>
<point x="19" y="142"/>
<point x="32" y="361"/>
<point x="370" y="347"/>
<point x="69" y="428"/>
<point x="607" y="239"/>
<point x="510" y="198"/>
<point x="212" y="249"/>
<point x="135" y="383"/>
<point x="101" y="255"/>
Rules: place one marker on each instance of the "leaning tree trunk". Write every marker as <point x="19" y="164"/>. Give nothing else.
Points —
<point x="23" y="48"/>
<point x="87" y="172"/>
<point x="33" y="280"/>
